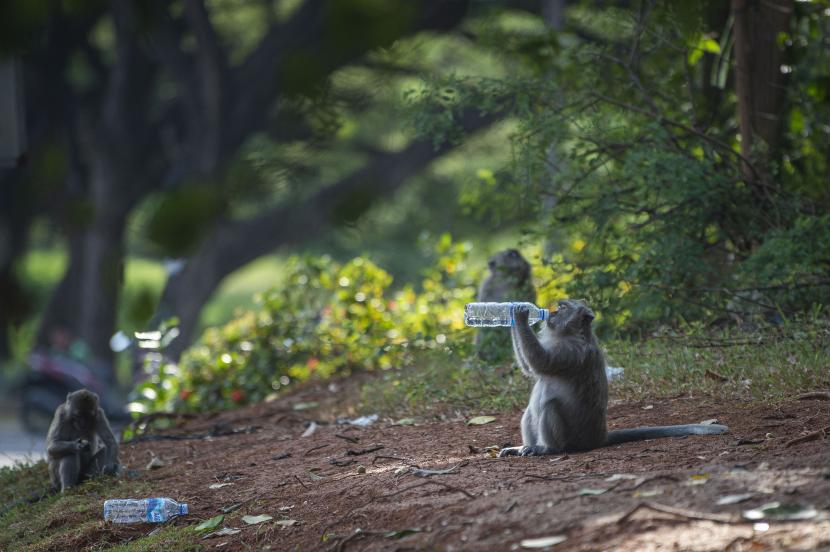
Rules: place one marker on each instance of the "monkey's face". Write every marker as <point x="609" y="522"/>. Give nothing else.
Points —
<point x="83" y="407"/>
<point x="509" y="263"/>
<point x="572" y="317"/>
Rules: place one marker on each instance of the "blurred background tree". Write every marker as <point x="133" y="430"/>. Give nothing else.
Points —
<point x="666" y="160"/>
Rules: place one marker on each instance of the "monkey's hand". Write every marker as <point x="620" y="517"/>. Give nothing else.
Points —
<point x="521" y="314"/>
<point x="112" y="469"/>
<point x="81" y="445"/>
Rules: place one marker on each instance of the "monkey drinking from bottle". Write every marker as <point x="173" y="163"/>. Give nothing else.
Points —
<point x="569" y="402"/>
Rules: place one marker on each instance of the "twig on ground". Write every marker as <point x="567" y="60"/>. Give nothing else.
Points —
<point x="566" y="478"/>
<point x="681" y="512"/>
<point x="814" y="436"/>
<point x="426" y="473"/>
<point x="342" y="544"/>
<point x="341" y="462"/>
<point x="743" y="441"/>
<point x="312" y="449"/>
<point x="648" y="480"/>
<point x="430" y="482"/>
<point x="814" y="395"/>
<point x="216" y="431"/>
<point x="363" y="451"/>
<point x="300" y="481"/>
<point x="153" y="416"/>
<point x="384" y="457"/>
<point x="347" y="437"/>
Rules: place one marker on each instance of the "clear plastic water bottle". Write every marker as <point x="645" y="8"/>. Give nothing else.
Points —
<point x="499" y="314"/>
<point x="143" y="510"/>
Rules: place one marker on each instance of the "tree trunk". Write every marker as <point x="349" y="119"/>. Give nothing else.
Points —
<point x="85" y="302"/>
<point x="759" y="82"/>
<point x="15" y="217"/>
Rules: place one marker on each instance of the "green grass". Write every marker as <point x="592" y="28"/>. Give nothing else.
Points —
<point x="72" y="520"/>
<point x="237" y="291"/>
<point x="171" y="537"/>
<point x="765" y="365"/>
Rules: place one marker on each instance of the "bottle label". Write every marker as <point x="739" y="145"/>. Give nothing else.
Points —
<point x="154" y="510"/>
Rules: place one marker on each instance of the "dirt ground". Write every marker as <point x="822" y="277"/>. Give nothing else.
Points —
<point x="348" y="488"/>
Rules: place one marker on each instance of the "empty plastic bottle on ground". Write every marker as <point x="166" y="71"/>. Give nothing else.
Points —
<point x="143" y="510"/>
<point x="499" y="314"/>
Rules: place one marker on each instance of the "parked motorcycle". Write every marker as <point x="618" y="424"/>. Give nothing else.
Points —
<point x="51" y="377"/>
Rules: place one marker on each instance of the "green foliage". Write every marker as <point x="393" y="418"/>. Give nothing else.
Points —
<point x="626" y="143"/>
<point x="440" y="382"/>
<point x="770" y="363"/>
<point x="327" y="318"/>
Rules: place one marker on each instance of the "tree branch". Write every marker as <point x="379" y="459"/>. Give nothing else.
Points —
<point x="307" y="45"/>
<point x="234" y="244"/>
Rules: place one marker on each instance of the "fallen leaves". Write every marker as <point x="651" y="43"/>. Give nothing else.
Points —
<point x="155" y="463"/>
<point x="586" y="491"/>
<point x="543" y="542"/>
<point x="734" y="499"/>
<point x="781" y="512"/>
<point x="211" y="523"/>
<point x="481" y="420"/>
<point x="254" y="520"/>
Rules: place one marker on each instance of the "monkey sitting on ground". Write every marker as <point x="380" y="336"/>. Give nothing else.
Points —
<point x="509" y="280"/>
<point x="569" y="401"/>
<point x="80" y="443"/>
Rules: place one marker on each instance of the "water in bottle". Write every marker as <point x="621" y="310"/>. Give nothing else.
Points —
<point x="499" y="314"/>
<point x="144" y="510"/>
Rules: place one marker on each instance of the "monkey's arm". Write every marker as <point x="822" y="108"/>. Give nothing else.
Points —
<point x="518" y="353"/>
<point x="530" y="351"/>
<point x="58" y="449"/>
<point x="642" y="433"/>
<point x="57" y="444"/>
<point x="104" y="431"/>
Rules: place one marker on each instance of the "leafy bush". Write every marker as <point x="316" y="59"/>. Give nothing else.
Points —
<point x="329" y="318"/>
<point x="606" y="149"/>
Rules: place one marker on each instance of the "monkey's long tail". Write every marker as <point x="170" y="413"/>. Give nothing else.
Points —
<point x="642" y="433"/>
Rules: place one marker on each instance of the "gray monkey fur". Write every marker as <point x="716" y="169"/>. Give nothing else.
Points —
<point x="509" y="280"/>
<point x="80" y="443"/>
<point x="569" y="402"/>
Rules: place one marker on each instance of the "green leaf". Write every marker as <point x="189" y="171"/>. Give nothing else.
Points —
<point x="709" y="45"/>
<point x="210" y="524"/>
<point x="401" y="533"/>
<point x="733" y="499"/>
<point x="405" y="422"/>
<point x="543" y="542"/>
<point x="591" y="492"/>
<point x="703" y="45"/>
<point x="481" y="420"/>
<point x="778" y="511"/>
<point x="253" y="520"/>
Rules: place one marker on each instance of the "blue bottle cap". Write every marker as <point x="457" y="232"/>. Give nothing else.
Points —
<point x="182" y="509"/>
